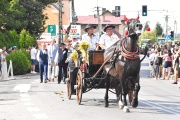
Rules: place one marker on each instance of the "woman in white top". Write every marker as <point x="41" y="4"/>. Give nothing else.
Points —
<point x="108" y="38"/>
<point x="90" y="37"/>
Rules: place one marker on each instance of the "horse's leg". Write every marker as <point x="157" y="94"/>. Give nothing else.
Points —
<point x="135" y="96"/>
<point x="121" y="104"/>
<point x="107" y="89"/>
<point x="126" y="109"/>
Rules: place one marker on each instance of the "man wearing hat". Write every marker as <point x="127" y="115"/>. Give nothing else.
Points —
<point x="108" y="38"/>
<point x="62" y="64"/>
<point x="90" y="37"/>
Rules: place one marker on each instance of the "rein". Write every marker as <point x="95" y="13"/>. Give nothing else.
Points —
<point x="127" y="54"/>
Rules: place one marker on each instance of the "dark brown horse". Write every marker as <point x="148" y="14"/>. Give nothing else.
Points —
<point x="125" y="65"/>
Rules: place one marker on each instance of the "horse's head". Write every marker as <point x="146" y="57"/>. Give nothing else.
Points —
<point x="134" y="26"/>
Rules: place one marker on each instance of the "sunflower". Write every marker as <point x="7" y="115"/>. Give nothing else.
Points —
<point x="74" y="56"/>
<point x="83" y="47"/>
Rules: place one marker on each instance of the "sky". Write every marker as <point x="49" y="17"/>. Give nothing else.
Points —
<point x="157" y="10"/>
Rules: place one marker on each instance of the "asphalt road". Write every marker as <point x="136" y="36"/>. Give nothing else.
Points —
<point x="27" y="99"/>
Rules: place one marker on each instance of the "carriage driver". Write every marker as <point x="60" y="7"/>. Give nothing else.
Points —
<point x="108" y="38"/>
<point x="90" y="37"/>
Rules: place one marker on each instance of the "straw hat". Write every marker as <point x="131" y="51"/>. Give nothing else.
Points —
<point x="89" y="26"/>
<point x="108" y="26"/>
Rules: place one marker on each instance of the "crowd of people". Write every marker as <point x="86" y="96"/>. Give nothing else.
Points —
<point x="53" y="58"/>
<point x="164" y="62"/>
<point x="3" y="64"/>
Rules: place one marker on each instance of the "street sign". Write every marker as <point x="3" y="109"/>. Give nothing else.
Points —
<point x="75" y="30"/>
<point x="167" y="37"/>
<point x="52" y="30"/>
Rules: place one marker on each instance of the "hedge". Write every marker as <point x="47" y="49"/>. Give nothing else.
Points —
<point x="20" y="62"/>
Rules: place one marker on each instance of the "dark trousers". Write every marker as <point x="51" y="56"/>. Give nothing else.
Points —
<point x="60" y="73"/>
<point x="43" y="68"/>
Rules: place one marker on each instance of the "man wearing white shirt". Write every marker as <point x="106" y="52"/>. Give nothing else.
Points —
<point x="108" y="38"/>
<point x="91" y="38"/>
<point x="33" y="58"/>
<point x="52" y="50"/>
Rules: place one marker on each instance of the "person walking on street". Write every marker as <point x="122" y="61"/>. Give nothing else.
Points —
<point x="151" y="63"/>
<point x="62" y="64"/>
<point x="52" y="50"/>
<point x="33" y="58"/>
<point x="177" y="68"/>
<point x="43" y="62"/>
<point x="90" y="37"/>
<point x="108" y="38"/>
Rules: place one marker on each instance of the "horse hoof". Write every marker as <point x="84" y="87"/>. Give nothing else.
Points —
<point x="134" y="103"/>
<point x="121" y="105"/>
<point x="126" y="109"/>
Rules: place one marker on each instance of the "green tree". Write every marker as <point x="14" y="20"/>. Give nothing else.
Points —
<point x="149" y="35"/>
<point x="146" y="26"/>
<point x="159" y="29"/>
<point x="23" y="14"/>
<point x="26" y="39"/>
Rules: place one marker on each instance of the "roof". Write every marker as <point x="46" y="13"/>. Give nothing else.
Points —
<point x="94" y="20"/>
<point x="106" y="11"/>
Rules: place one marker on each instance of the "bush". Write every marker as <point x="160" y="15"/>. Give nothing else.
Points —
<point x="20" y="62"/>
<point x="26" y="39"/>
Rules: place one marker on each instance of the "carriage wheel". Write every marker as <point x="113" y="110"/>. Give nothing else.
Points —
<point x="69" y="84"/>
<point x="130" y="94"/>
<point x="79" y="89"/>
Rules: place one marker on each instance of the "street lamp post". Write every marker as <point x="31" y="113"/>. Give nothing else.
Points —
<point x="60" y="22"/>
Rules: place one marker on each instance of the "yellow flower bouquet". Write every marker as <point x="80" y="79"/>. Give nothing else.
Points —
<point x="74" y="56"/>
<point x="83" y="47"/>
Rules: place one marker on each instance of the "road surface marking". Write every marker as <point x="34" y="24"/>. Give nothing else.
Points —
<point x="145" y="68"/>
<point x="160" y="107"/>
<point x="33" y="109"/>
<point x="25" y="95"/>
<point x="25" y="99"/>
<point x="36" y="81"/>
<point x="40" y="116"/>
<point x="29" y="104"/>
<point x="22" y="88"/>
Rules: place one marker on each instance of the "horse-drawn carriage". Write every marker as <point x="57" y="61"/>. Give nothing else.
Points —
<point x="117" y="67"/>
<point x="84" y="76"/>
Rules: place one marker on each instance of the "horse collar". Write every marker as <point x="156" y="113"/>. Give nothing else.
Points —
<point x="127" y="54"/>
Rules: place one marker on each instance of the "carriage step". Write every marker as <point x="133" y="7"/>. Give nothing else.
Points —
<point x="75" y="87"/>
<point x="67" y="80"/>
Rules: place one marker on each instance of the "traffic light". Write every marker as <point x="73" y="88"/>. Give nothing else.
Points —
<point x="172" y="35"/>
<point x="144" y="10"/>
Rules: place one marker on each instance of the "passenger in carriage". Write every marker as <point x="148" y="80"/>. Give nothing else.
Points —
<point x="108" y="38"/>
<point x="90" y="37"/>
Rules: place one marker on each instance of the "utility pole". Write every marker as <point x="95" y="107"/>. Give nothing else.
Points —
<point x="60" y="21"/>
<point x="175" y="28"/>
<point x="74" y="17"/>
<point x="99" y="20"/>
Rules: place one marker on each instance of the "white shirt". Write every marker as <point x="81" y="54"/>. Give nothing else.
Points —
<point x="108" y="41"/>
<point x="33" y="53"/>
<point x="152" y="57"/>
<point x="92" y="41"/>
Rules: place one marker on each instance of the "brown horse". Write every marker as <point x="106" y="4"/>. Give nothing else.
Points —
<point x="125" y="65"/>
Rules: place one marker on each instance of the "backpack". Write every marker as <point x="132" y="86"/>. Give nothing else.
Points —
<point x="157" y="61"/>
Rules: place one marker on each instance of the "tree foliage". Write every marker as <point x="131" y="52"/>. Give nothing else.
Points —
<point x="159" y="29"/>
<point x="26" y="39"/>
<point x="23" y="14"/>
<point x="149" y="35"/>
<point x="146" y="26"/>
